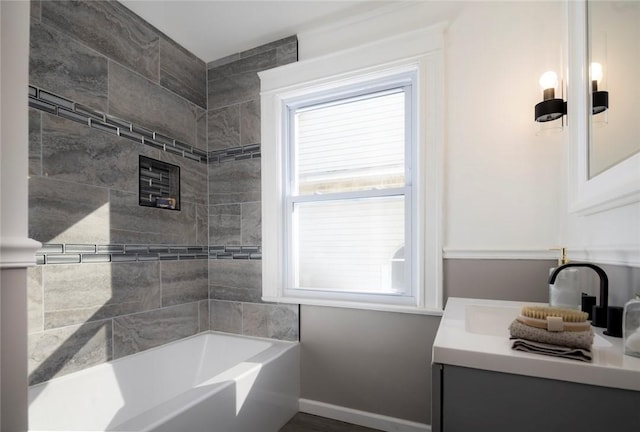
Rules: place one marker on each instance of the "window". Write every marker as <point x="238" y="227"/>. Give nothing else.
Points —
<point x="350" y="178"/>
<point x="348" y="202"/>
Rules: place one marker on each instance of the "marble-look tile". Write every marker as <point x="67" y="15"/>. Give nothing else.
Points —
<point x="223" y="128"/>
<point x="202" y="225"/>
<point x="254" y="63"/>
<point x="179" y="224"/>
<point x="184" y="281"/>
<point x="139" y="332"/>
<point x="234" y="182"/>
<point x="77" y="293"/>
<point x="148" y="105"/>
<point x="182" y="72"/>
<point x="287" y="53"/>
<point x="74" y="152"/>
<point x="193" y="178"/>
<point x="225" y="224"/>
<point x="109" y="28"/>
<point x="35" y="142"/>
<point x="128" y="217"/>
<point x="250" y="122"/>
<point x="276" y="321"/>
<point x="235" y="280"/>
<point x="58" y="352"/>
<point x="132" y="223"/>
<point x="252" y="224"/>
<point x="201" y="129"/>
<point x="35" y="8"/>
<point x="233" y="89"/>
<point x="203" y="315"/>
<point x="123" y="236"/>
<point x="270" y="46"/>
<point x="223" y="61"/>
<point x="35" y="321"/>
<point x="63" y="66"/>
<point x="225" y="316"/>
<point x="66" y="212"/>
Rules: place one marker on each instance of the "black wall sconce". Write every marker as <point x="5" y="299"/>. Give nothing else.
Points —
<point x="599" y="98"/>
<point x="551" y="108"/>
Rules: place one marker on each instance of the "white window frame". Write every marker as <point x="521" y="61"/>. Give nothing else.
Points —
<point x="407" y="81"/>
<point x="419" y="53"/>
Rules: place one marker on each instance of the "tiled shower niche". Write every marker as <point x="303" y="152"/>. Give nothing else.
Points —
<point x="159" y="184"/>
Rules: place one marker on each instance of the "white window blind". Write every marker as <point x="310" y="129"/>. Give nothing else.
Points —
<point x="350" y="198"/>
<point x="351" y="144"/>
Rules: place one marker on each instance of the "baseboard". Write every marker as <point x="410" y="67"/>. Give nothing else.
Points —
<point x="361" y="418"/>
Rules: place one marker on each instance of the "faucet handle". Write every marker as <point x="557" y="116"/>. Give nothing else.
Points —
<point x="599" y="316"/>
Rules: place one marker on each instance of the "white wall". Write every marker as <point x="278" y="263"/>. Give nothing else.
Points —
<point x="504" y="185"/>
<point x="504" y="191"/>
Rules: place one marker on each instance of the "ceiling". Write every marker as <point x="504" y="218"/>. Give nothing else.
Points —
<point x="212" y="29"/>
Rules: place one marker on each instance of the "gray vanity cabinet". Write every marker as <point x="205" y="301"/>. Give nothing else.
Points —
<point x="466" y="400"/>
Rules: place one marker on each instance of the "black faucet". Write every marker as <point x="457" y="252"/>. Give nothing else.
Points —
<point x="599" y="312"/>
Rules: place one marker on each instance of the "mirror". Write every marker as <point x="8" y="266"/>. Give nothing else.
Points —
<point x="605" y="170"/>
<point x="613" y="31"/>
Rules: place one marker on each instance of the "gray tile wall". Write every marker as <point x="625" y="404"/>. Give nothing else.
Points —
<point x="84" y="314"/>
<point x="235" y="286"/>
<point x="110" y="31"/>
<point x="84" y="189"/>
<point x="87" y="308"/>
<point x="87" y="189"/>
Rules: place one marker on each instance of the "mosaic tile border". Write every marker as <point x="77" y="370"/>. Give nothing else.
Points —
<point x="235" y="153"/>
<point x="53" y="104"/>
<point x="52" y="253"/>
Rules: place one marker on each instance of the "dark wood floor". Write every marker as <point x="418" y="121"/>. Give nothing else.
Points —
<point x="309" y="423"/>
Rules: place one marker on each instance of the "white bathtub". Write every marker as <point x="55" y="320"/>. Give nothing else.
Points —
<point x="209" y="382"/>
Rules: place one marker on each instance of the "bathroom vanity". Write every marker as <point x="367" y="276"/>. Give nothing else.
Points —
<point x="480" y="384"/>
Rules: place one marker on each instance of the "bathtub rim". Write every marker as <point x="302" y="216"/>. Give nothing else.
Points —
<point x="149" y="350"/>
<point x="271" y="352"/>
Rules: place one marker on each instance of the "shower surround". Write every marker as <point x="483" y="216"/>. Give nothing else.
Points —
<point x="116" y="278"/>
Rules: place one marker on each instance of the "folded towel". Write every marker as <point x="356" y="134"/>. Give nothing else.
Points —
<point x="573" y="339"/>
<point x="552" y="350"/>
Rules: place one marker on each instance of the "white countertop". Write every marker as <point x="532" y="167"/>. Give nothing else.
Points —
<point x="474" y="333"/>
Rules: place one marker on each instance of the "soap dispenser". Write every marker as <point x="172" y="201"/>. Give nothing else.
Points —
<point x="631" y="326"/>
<point x="564" y="292"/>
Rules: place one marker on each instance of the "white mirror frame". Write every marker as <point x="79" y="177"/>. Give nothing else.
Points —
<point x="617" y="186"/>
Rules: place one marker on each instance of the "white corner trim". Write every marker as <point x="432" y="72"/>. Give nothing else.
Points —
<point x="361" y="418"/>
<point x="420" y="50"/>
<point x="623" y="256"/>
<point x="18" y="252"/>
<point x="613" y="255"/>
<point x="506" y="254"/>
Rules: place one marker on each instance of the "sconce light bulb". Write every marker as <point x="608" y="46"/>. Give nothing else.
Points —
<point x="549" y="80"/>
<point x="596" y="72"/>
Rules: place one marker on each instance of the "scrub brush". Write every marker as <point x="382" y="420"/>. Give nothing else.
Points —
<point x="554" y="319"/>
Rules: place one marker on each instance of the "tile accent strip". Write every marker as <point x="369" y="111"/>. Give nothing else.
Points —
<point x="95" y="253"/>
<point x="235" y="153"/>
<point x="51" y="103"/>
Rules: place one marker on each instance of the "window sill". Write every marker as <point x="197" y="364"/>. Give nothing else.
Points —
<point x="357" y="305"/>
